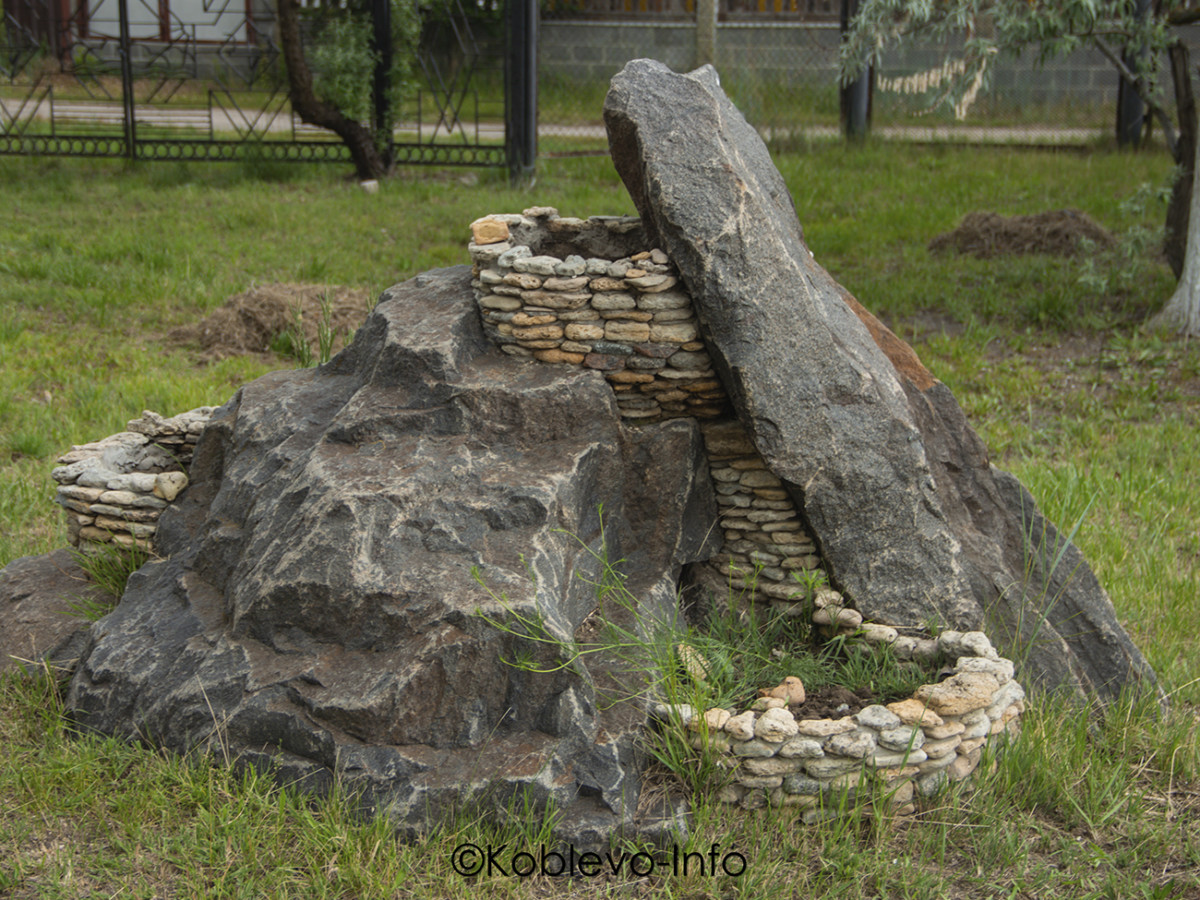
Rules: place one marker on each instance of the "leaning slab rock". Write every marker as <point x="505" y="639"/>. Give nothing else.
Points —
<point x="913" y="523"/>
<point x="315" y="608"/>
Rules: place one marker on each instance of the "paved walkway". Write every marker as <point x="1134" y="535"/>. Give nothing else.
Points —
<point x="232" y="120"/>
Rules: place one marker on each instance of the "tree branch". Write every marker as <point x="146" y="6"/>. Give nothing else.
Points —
<point x="313" y="110"/>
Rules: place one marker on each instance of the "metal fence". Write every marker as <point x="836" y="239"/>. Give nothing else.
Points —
<point x="204" y="80"/>
<point x="778" y="61"/>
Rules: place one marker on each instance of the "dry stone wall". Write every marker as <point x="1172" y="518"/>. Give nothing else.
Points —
<point x="590" y="293"/>
<point x="897" y="751"/>
<point x="114" y="490"/>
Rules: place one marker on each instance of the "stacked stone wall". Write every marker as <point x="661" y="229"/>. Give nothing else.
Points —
<point x="590" y="293"/>
<point x="895" y="752"/>
<point x="115" y="489"/>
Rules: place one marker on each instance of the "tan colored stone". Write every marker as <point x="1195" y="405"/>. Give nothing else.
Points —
<point x="539" y="333"/>
<point x="938" y="749"/>
<point x="741" y="726"/>
<point x="629" y="376"/>
<point x="559" y="357"/>
<point x="489" y="231"/>
<point x="580" y="331"/>
<point x="970" y="746"/>
<point x="825" y="727"/>
<point x="963" y="765"/>
<point x="945" y="730"/>
<point x="716" y="718"/>
<point x="565" y="284"/>
<point x="914" y="712"/>
<point x="762" y="704"/>
<point x="775" y="726"/>
<point x="524" y="320"/>
<point x="959" y="694"/>
<point x="839" y="616"/>
<point x="673" y="332"/>
<point x="555" y="299"/>
<point x="500" y="302"/>
<point x="626" y="331"/>
<point x="604" y="284"/>
<point x="523" y="280"/>
<point x="168" y="485"/>
<point x="771" y="765"/>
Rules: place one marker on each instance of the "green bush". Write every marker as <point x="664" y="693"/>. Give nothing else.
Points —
<point x="343" y="61"/>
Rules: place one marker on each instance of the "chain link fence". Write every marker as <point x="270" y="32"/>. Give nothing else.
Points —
<point x="778" y="61"/>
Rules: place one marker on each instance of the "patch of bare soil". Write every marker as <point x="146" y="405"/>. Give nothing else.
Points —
<point x="1061" y="232"/>
<point x="832" y="701"/>
<point x="250" y="322"/>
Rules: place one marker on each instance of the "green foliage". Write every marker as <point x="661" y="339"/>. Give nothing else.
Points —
<point x="1129" y="263"/>
<point x="86" y="297"/>
<point x="109" y="567"/>
<point x="984" y="29"/>
<point x="343" y="59"/>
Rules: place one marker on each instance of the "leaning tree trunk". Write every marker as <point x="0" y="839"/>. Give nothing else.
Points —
<point x="1175" y="238"/>
<point x="1182" y="312"/>
<point x="358" y="140"/>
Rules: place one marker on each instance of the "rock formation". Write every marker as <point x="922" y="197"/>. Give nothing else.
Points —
<point x="316" y="607"/>
<point x="911" y="520"/>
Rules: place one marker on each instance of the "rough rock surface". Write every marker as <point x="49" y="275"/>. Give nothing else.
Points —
<point x="316" y="609"/>
<point x="910" y="518"/>
<point x="37" y="621"/>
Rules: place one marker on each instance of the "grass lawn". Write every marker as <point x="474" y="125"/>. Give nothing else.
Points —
<point x="1048" y="355"/>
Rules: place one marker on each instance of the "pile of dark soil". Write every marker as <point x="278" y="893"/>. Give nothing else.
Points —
<point x="250" y="322"/>
<point x="1057" y="233"/>
<point x="832" y="701"/>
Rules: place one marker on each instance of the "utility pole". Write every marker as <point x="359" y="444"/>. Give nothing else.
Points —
<point x="126" y="51"/>
<point x="520" y="94"/>
<point x="381" y="84"/>
<point x="855" y="97"/>
<point x="1131" y="112"/>
<point x="706" y="32"/>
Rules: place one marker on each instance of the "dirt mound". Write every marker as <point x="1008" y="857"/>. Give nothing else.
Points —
<point x="265" y="319"/>
<point x="987" y="234"/>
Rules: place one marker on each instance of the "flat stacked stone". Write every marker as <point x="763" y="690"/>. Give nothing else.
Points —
<point x="905" y="750"/>
<point x="625" y="315"/>
<point x="114" y="490"/>
<point x="766" y="541"/>
<point x="585" y="292"/>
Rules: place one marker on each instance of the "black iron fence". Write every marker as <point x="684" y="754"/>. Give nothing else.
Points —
<point x="205" y="80"/>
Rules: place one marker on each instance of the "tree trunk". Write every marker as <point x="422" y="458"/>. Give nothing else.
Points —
<point x="1182" y="312"/>
<point x="1175" y="238"/>
<point x="368" y="162"/>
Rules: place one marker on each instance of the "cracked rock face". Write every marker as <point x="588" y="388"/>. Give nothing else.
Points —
<point x="911" y="520"/>
<point x="317" y="609"/>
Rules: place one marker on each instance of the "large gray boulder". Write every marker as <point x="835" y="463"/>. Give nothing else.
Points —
<point x="316" y="610"/>
<point x="913" y="523"/>
<point x="44" y="601"/>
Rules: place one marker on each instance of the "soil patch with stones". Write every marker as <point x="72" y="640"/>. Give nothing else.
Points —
<point x="1061" y="232"/>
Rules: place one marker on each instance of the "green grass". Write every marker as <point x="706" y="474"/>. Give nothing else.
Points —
<point x="98" y="261"/>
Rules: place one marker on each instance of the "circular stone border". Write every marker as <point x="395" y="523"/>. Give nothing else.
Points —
<point x="899" y="751"/>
